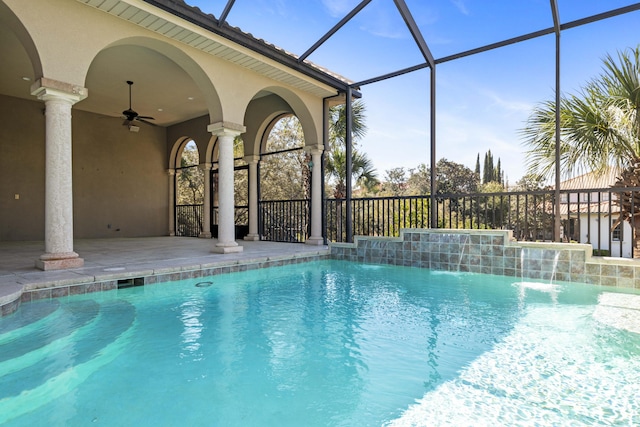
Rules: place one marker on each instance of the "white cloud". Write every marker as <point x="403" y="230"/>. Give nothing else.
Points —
<point x="461" y="6"/>
<point x="507" y="104"/>
<point x="339" y="8"/>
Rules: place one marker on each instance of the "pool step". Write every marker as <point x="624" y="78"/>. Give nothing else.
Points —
<point x="72" y="316"/>
<point x="31" y="379"/>
<point x="29" y="316"/>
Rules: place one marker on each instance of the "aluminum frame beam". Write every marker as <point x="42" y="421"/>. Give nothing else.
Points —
<point x="544" y="32"/>
<point x="225" y="12"/>
<point x="415" y="31"/>
<point x="558" y="31"/>
<point x="334" y="30"/>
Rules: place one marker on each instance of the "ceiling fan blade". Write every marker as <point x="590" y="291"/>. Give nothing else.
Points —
<point x="127" y="122"/>
<point x="146" y="117"/>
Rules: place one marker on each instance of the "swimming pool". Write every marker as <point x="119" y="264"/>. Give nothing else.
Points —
<point x="326" y="343"/>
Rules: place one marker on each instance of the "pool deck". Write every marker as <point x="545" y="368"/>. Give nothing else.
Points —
<point x="121" y="258"/>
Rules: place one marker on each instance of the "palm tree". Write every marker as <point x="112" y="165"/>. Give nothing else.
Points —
<point x="362" y="169"/>
<point x="599" y="129"/>
<point x="338" y="123"/>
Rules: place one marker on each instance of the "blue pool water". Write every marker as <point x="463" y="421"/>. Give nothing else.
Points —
<point x="326" y="343"/>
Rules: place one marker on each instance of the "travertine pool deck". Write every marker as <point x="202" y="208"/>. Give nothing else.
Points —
<point x="123" y="258"/>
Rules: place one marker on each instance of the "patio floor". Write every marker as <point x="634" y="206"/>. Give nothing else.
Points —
<point x="111" y="259"/>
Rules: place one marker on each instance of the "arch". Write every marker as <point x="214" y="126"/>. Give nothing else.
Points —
<point x="176" y="151"/>
<point x="267" y="106"/>
<point x="12" y="26"/>
<point x="181" y="152"/>
<point x="269" y="127"/>
<point x="191" y="67"/>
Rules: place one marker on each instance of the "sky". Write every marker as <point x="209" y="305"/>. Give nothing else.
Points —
<point x="482" y="101"/>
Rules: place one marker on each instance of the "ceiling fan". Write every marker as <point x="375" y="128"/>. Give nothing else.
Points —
<point x="131" y="116"/>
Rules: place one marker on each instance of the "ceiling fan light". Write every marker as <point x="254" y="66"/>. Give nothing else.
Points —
<point x="134" y="128"/>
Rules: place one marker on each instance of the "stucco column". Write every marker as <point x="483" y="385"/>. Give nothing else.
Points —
<point x="172" y="201"/>
<point x="58" y="98"/>
<point x="206" y="218"/>
<point x="316" y="198"/>
<point x="226" y="132"/>
<point x="253" y="197"/>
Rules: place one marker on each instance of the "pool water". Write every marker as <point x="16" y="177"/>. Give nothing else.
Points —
<point x="326" y="343"/>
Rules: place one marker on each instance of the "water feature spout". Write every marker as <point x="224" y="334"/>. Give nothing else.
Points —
<point x="465" y="244"/>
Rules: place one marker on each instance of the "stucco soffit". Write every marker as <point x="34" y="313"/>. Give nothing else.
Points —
<point x="164" y="23"/>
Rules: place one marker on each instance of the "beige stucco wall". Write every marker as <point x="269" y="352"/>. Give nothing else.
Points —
<point x="120" y="182"/>
<point x="21" y="170"/>
<point x="119" y="177"/>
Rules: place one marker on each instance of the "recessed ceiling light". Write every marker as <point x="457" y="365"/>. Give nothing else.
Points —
<point x="26" y="79"/>
<point x="160" y="109"/>
<point x="190" y="98"/>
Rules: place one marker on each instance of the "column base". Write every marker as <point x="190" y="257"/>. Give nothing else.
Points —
<point x="227" y="248"/>
<point x="315" y="241"/>
<point x="252" y="237"/>
<point x="60" y="261"/>
<point x="205" y="235"/>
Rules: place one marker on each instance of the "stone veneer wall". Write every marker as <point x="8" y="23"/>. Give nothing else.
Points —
<point x="57" y="290"/>
<point x="491" y="252"/>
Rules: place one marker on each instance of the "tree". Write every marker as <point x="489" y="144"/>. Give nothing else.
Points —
<point x="455" y="178"/>
<point x="396" y="181"/>
<point x="284" y="176"/>
<point x="362" y="169"/>
<point x="452" y="178"/>
<point x="419" y="182"/>
<point x="599" y="126"/>
<point x="530" y="182"/>
<point x="599" y="129"/>
<point x="490" y="173"/>
<point x="190" y="182"/>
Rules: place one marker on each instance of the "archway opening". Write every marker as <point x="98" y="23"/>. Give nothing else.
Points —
<point x="189" y="195"/>
<point x="285" y="183"/>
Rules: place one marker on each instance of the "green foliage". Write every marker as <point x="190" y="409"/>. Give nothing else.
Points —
<point x="490" y="173"/>
<point x="338" y="124"/>
<point x="599" y="126"/>
<point x="419" y="182"/>
<point x="530" y="182"/>
<point x="395" y="181"/>
<point x="599" y="129"/>
<point x="362" y="169"/>
<point x="452" y="178"/>
<point x="455" y="178"/>
<point x="285" y="175"/>
<point x="190" y="178"/>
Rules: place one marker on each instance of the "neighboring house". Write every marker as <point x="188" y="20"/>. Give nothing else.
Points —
<point x="593" y="216"/>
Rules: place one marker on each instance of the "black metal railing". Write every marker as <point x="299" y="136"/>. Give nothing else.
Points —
<point x="284" y="220"/>
<point x="189" y="220"/>
<point x="379" y="216"/>
<point x="586" y="216"/>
